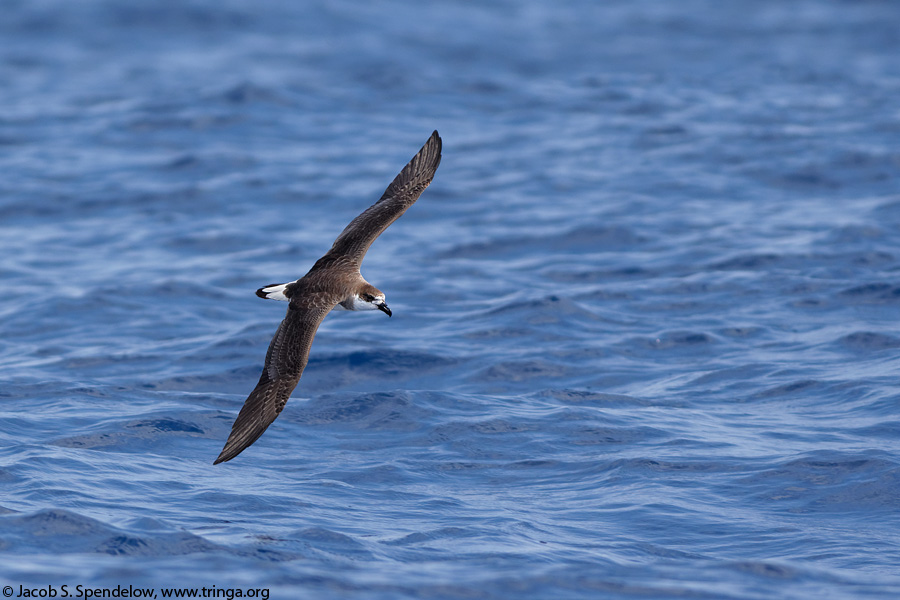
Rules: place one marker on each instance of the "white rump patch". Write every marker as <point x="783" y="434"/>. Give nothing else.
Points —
<point x="274" y="292"/>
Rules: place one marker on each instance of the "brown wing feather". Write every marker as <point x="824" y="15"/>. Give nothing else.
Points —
<point x="403" y="192"/>
<point x="285" y="360"/>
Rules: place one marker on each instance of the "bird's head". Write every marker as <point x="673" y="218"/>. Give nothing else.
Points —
<point x="371" y="298"/>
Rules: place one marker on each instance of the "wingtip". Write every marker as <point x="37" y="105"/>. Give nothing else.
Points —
<point x="226" y="454"/>
<point x="235" y="445"/>
<point x="222" y="457"/>
<point x="433" y="147"/>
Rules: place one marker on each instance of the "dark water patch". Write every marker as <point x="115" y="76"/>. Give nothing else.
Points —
<point x="612" y="436"/>
<point x="802" y="388"/>
<point x="888" y="211"/>
<point x="662" y="136"/>
<point x="52" y="530"/>
<point x="395" y="411"/>
<point x="498" y="333"/>
<point x="533" y="464"/>
<point x="673" y="341"/>
<point x="889" y="430"/>
<point x="500" y="426"/>
<point x="109" y="363"/>
<point x="250" y="337"/>
<point x="104" y="391"/>
<point x="810" y="304"/>
<point x="748" y="262"/>
<point x="684" y="307"/>
<point x="579" y="274"/>
<point x="464" y="466"/>
<point x="173" y="544"/>
<point x="208" y="163"/>
<point x="183" y="161"/>
<point x="588" y="398"/>
<point x="518" y="371"/>
<point x="470" y="436"/>
<point x="589" y="238"/>
<point x="871" y="293"/>
<point x="743" y="376"/>
<point x="869" y="289"/>
<point x="324" y="540"/>
<point x="53" y="522"/>
<point x="387" y="363"/>
<point x="134" y="435"/>
<point x="663" y="466"/>
<point x="663" y="552"/>
<point x="685" y="338"/>
<point x="537" y="311"/>
<point x="233" y="501"/>
<point x="378" y="476"/>
<point x="872" y="259"/>
<point x="769" y="570"/>
<point x="830" y="482"/>
<point x="247" y="92"/>
<point x="93" y="441"/>
<point x="165" y="425"/>
<point x="450" y="403"/>
<point x="855" y="234"/>
<point x="869" y="341"/>
<point x="62" y="531"/>
<point x="229" y="380"/>
<point x="741" y="332"/>
<point x="810" y="177"/>
<point x="203" y="243"/>
<point x="435" y="535"/>
<point x="880" y="406"/>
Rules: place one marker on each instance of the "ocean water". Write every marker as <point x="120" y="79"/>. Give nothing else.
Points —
<point x="645" y="340"/>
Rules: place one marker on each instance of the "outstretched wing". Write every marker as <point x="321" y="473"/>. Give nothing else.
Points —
<point x="285" y="361"/>
<point x="403" y="192"/>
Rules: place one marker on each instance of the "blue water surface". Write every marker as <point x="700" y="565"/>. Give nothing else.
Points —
<point x="645" y="340"/>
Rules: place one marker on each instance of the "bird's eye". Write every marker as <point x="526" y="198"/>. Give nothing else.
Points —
<point x="368" y="297"/>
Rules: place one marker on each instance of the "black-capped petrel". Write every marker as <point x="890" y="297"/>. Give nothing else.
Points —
<point x="333" y="282"/>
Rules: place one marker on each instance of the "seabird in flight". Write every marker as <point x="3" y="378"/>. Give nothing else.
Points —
<point x="333" y="282"/>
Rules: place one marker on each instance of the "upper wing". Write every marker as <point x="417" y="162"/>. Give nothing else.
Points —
<point x="285" y="361"/>
<point x="406" y="188"/>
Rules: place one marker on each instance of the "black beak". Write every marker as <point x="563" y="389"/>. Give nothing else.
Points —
<point x="384" y="308"/>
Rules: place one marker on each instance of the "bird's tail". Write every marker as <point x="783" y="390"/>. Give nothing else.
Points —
<point x="275" y="291"/>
